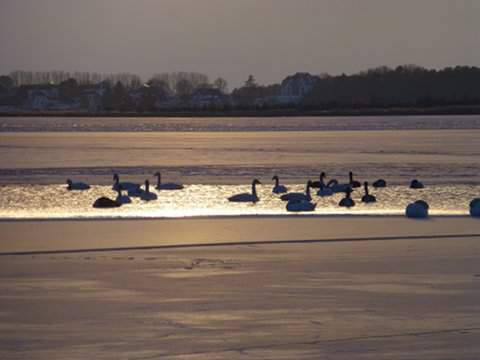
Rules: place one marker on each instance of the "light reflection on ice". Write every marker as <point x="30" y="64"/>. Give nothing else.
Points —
<point x="54" y="201"/>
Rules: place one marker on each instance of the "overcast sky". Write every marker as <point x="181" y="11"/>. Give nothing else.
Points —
<point x="234" y="38"/>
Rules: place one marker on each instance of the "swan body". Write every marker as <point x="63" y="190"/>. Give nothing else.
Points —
<point x="367" y="198"/>
<point x="247" y="197"/>
<point x="339" y="188"/>
<point x="347" y="201"/>
<point x="336" y="187"/>
<point x="297" y="197"/>
<point x="278" y="189"/>
<point x="122" y="185"/>
<point x="122" y="199"/>
<point x="475" y="208"/>
<point x="146" y="194"/>
<point x="475" y="202"/>
<point x="300" y="206"/>
<point x="166" y="186"/>
<point x="135" y="192"/>
<point x="380" y="183"/>
<point x="324" y="191"/>
<point x="417" y="210"/>
<point x="353" y="183"/>
<point x="415" y="184"/>
<point x="105" y="203"/>
<point x="76" y="185"/>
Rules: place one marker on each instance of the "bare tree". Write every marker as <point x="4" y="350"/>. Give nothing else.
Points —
<point x="221" y="84"/>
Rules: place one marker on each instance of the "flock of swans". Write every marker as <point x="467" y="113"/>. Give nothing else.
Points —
<point x="295" y="201"/>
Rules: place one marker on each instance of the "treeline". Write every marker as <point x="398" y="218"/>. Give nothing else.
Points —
<point x="174" y="83"/>
<point x="404" y="86"/>
<point x="21" y="77"/>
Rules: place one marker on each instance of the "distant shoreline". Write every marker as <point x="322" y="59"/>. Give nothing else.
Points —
<point x="446" y="110"/>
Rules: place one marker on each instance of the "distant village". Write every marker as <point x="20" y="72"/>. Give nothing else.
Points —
<point x="95" y="93"/>
<point x="406" y="86"/>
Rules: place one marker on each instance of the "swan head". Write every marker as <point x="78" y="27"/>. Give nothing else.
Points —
<point x="256" y="182"/>
<point x="69" y="182"/>
<point x="275" y="177"/>
<point x="157" y="174"/>
<point x="365" y="184"/>
<point x="322" y="175"/>
<point x="115" y="177"/>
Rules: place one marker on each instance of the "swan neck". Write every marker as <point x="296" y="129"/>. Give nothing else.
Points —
<point x="277" y="182"/>
<point x="254" y="189"/>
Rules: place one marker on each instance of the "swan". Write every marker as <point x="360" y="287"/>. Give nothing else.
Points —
<point x="247" y="197"/>
<point x="347" y="201"/>
<point x="122" y="199"/>
<point x="278" y="189"/>
<point x="380" y="183"/>
<point x="122" y="185"/>
<point x="300" y="206"/>
<point x="105" y="203"/>
<point x="475" y="208"/>
<point x="417" y="210"/>
<point x="415" y="184"/>
<point x="166" y="186"/>
<point x="135" y="192"/>
<point x="76" y="185"/>
<point x="367" y="198"/>
<point x="296" y="196"/>
<point x="324" y="190"/>
<point x="146" y="194"/>
<point x="336" y="187"/>
<point x="318" y="184"/>
<point x="475" y="202"/>
<point x="353" y="183"/>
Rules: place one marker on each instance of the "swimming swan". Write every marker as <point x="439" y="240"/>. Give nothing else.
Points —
<point x="475" y="208"/>
<point x="380" y="183"/>
<point x="324" y="190"/>
<point x="296" y="196"/>
<point x="318" y="184"/>
<point x="166" y="186"/>
<point x="300" y="206"/>
<point x="105" y="203"/>
<point x="417" y="210"/>
<point x="122" y="185"/>
<point x="353" y="183"/>
<point x="247" y="197"/>
<point x="278" y="189"/>
<point x="76" y="185"/>
<point x="146" y="194"/>
<point x="122" y="199"/>
<point x="347" y="201"/>
<point x="135" y="192"/>
<point x="367" y="198"/>
<point x="415" y="184"/>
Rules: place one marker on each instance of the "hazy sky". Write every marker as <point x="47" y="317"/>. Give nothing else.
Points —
<point x="234" y="38"/>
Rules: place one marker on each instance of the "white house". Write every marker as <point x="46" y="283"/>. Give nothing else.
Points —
<point x="295" y="87"/>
